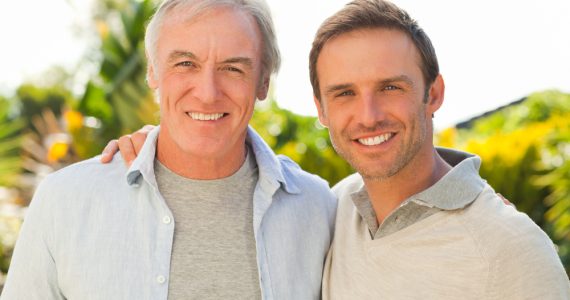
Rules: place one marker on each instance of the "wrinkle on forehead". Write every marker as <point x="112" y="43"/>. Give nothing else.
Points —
<point x="240" y="20"/>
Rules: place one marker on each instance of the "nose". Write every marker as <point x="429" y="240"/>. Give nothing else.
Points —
<point x="206" y="87"/>
<point x="370" y="111"/>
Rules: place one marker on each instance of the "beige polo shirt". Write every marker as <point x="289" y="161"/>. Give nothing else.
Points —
<point x="454" y="240"/>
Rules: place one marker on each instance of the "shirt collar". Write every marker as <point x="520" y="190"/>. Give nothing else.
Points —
<point x="144" y="162"/>
<point x="270" y="168"/>
<point x="459" y="187"/>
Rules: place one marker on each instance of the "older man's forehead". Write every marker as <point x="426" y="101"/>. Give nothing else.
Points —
<point x="235" y="26"/>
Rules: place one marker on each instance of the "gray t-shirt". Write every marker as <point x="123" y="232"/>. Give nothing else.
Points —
<point x="213" y="255"/>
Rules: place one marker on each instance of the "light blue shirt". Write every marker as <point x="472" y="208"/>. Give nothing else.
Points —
<point x="96" y="231"/>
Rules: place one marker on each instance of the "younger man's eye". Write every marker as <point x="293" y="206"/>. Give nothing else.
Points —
<point x="345" y="93"/>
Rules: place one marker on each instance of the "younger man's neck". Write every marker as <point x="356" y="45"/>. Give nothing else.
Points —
<point x="388" y="194"/>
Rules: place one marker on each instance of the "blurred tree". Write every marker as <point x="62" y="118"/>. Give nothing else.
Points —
<point x="119" y="97"/>
<point x="556" y="164"/>
<point x="10" y="177"/>
<point x="10" y="143"/>
<point x="33" y="100"/>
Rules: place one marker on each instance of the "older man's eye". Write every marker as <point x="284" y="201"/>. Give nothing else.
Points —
<point x="185" y="64"/>
<point x="391" y="88"/>
<point x="233" y="69"/>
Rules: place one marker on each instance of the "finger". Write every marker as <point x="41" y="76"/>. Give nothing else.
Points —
<point x="138" y="139"/>
<point x="146" y="128"/>
<point x="507" y="202"/>
<point x="127" y="149"/>
<point x="109" y="150"/>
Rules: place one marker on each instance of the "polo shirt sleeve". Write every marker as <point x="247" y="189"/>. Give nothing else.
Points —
<point x="528" y="267"/>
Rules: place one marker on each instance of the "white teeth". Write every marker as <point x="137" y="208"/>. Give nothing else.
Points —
<point x="205" y="117"/>
<point x="377" y="140"/>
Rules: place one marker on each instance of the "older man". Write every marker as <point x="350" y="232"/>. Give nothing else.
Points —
<point x="416" y="222"/>
<point x="206" y="211"/>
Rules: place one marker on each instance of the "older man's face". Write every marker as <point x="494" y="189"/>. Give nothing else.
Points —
<point x="207" y="72"/>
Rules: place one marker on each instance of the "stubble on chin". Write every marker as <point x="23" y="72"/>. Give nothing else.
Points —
<point x="369" y="168"/>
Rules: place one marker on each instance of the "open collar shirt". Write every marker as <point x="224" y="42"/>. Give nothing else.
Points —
<point x="91" y="233"/>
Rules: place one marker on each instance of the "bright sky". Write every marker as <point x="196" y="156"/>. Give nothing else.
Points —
<point x="490" y="52"/>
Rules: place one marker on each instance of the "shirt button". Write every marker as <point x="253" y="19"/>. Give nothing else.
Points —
<point x="160" y="279"/>
<point x="166" y="220"/>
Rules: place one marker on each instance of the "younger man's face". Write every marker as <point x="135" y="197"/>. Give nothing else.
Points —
<point x="372" y="100"/>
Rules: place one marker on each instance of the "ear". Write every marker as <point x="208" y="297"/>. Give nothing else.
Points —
<point x="263" y="89"/>
<point x="435" y="95"/>
<point x="321" y="111"/>
<point x="151" y="77"/>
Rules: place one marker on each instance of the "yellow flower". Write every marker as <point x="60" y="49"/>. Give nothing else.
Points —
<point x="57" y="151"/>
<point x="446" y="138"/>
<point x="73" y="119"/>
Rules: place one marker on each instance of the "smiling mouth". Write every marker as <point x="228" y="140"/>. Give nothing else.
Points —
<point x="376" y="140"/>
<point x="206" y="117"/>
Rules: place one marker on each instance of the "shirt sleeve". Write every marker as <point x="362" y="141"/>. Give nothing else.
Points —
<point x="528" y="267"/>
<point x="32" y="273"/>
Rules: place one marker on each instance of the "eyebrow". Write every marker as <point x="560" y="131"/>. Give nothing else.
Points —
<point x="338" y="87"/>
<point x="175" y="55"/>
<point x="246" y="61"/>
<point x="401" y="78"/>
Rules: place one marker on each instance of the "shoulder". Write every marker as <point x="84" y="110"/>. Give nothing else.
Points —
<point x="82" y="179"/>
<point x="507" y="236"/>
<point x="489" y="215"/>
<point x="88" y="172"/>
<point x="307" y="186"/>
<point x="349" y="185"/>
<point x="301" y="178"/>
<point x="522" y="258"/>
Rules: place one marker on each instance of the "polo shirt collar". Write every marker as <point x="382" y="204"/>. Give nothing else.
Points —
<point x="456" y="189"/>
<point x="459" y="187"/>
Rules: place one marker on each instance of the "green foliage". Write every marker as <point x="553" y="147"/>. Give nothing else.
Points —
<point x="10" y="142"/>
<point x="5" y="257"/>
<point x="301" y="138"/>
<point x="119" y="97"/>
<point x="34" y="100"/>
<point x="556" y="165"/>
<point x="525" y="150"/>
<point x="536" y="108"/>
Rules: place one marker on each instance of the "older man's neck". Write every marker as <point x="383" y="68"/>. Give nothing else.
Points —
<point x="421" y="173"/>
<point x="200" y="167"/>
